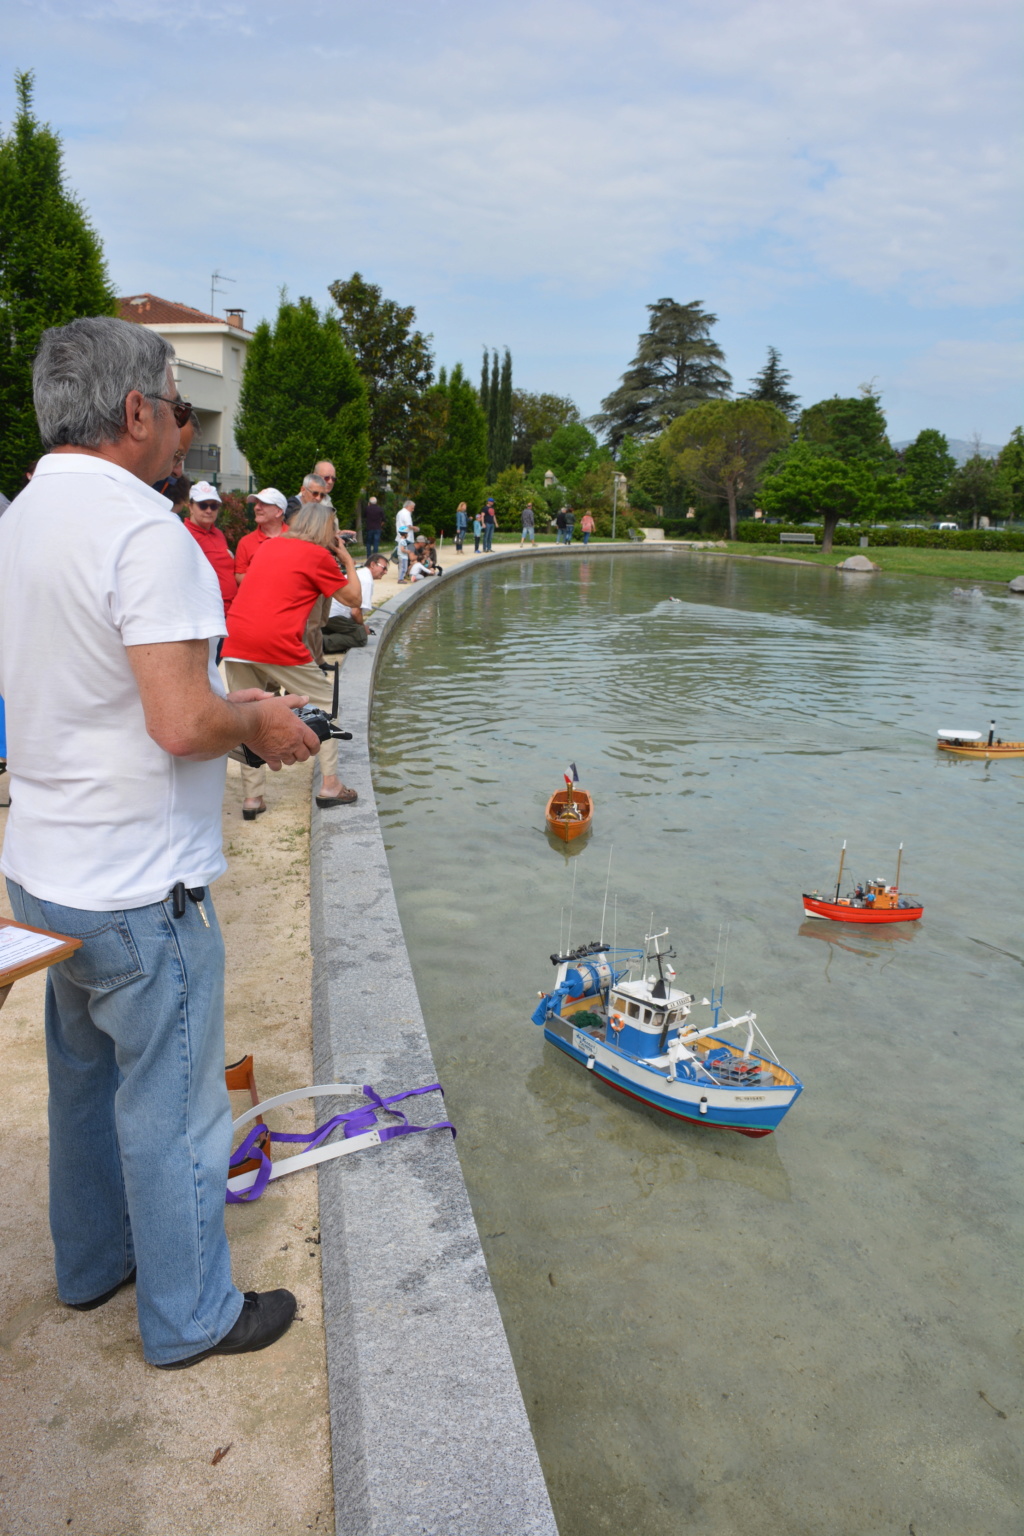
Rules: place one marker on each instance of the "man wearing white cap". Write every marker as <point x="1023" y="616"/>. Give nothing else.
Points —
<point x="201" y="522"/>
<point x="268" y="509"/>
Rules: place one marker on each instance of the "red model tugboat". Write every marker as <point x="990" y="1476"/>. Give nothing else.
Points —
<point x="870" y="902"/>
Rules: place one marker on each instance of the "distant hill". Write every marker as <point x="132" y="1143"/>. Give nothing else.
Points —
<point x="961" y="450"/>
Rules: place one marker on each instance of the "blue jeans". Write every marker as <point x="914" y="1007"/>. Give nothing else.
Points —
<point x="488" y="536"/>
<point x="403" y="563"/>
<point x="586" y="538"/>
<point x="140" y="1122"/>
<point x="372" y="541"/>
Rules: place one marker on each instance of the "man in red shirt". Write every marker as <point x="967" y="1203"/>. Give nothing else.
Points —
<point x="268" y="509"/>
<point x="201" y="522"/>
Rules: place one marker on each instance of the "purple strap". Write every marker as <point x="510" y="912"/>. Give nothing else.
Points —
<point x="355" y="1122"/>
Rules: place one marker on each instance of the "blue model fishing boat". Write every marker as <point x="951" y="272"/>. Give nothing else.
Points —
<point x="634" y="1033"/>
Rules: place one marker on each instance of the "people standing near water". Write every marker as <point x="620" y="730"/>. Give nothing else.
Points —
<point x="588" y="526"/>
<point x="461" y="520"/>
<point x="526" y="518"/>
<point x="268" y="509"/>
<point x="478" y="529"/>
<point x="203" y="508"/>
<point x="560" y="526"/>
<point x="373" y="523"/>
<point x="570" y="524"/>
<point x="490" y="523"/>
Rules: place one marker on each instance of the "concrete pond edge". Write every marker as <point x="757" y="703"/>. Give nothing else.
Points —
<point x="429" y="1432"/>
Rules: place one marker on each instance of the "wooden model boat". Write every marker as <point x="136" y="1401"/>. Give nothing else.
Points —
<point x="569" y="811"/>
<point x="871" y="901"/>
<point x="632" y="1032"/>
<point x="974" y="744"/>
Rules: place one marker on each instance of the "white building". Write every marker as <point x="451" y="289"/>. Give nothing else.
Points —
<point x="208" y="370"/>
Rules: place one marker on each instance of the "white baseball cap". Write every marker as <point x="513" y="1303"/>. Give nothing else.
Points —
<point x="274" y="498"/>
<point x="204" y="491"/>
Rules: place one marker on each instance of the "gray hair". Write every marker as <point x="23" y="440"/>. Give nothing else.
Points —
<point x="314" y="482"/>
<point x="315" y="523"/>
<point x="84" y="372"/>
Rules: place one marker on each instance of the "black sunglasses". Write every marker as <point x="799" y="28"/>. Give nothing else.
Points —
<point x="207" y="506"/>
<point x="182" y="408"/>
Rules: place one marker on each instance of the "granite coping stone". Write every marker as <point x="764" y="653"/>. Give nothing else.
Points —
<point x="429" y="1431"/>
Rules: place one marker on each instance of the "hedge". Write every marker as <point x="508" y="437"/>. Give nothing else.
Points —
<point x="753" y="531"/>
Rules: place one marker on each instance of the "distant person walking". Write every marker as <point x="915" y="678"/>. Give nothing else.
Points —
<point x="490" y="523"/>
<point x="526" y="537"/>
<point x="570" y="524"/>
<point x="560" y="526"/>
<point x="588" y="526"/>
<point x="373" y="524"/>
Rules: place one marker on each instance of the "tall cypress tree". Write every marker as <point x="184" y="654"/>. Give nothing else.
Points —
<point x="456" y="468"/>
<point x="493" y="396"/>
<point x="51" y="271"/>
<point x="502" y="452"/>
<point x="485" y="384"/>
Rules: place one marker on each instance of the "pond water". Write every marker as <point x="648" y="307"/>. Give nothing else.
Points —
<point x="809" y="1333"/>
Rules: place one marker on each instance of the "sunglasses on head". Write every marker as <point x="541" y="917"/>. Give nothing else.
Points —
<point x="182" y="408"/>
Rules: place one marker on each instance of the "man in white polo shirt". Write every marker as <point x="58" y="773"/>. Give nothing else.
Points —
<point x="117" y="730"/>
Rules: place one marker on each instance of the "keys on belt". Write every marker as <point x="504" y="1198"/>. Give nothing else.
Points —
<point x="194" y="893"/>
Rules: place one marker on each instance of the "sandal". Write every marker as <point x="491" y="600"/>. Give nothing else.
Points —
<point x="347" y="797"/>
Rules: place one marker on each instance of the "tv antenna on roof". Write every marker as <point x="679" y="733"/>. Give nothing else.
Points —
<point x="216" y="278"/>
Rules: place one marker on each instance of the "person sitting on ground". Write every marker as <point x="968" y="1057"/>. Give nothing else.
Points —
<point x="429" y="556"/>
<point x="418" y="571"/>
<point x="346" y="626"/>
<point x="264" y="647"/>
<point x="268" y="509"/>
<point x="203" y="508"/>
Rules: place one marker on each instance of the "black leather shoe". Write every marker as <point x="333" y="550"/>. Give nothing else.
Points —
<point x="264" y="1317"/>
<point x="97" y="1301"/>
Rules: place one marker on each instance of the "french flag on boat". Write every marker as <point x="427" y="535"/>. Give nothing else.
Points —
<point x="571" y="776"/>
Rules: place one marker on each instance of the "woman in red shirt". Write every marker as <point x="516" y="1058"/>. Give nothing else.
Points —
<point x="264" y="647"/>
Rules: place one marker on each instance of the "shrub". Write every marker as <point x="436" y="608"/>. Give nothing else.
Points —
<point x="751" y="531"/>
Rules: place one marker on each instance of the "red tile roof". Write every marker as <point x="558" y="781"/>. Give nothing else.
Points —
<point x="147" y="309"/>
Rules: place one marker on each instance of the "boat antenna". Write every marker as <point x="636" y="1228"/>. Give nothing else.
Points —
<point x="615" y="921"/>
<point x="718" y="947"/>
<point x="725" y="954"/>
<point x="572" y="903"/>
<point x="561" y="928"/>
<point x="899" y="861"/>
<point x="991" y="731"/>
<point x="839" y="877"/>
<point x="607" y="878"/>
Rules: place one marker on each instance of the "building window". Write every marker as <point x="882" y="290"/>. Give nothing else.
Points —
<point x="236" y="363"/>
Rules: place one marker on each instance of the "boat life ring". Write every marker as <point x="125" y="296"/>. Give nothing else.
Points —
<point x="617" y="1022"/>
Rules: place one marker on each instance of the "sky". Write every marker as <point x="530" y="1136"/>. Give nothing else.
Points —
<point x="839" y="179"/>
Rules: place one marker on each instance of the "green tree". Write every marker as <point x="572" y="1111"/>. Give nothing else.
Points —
<point x="928" y="468"/>
<point x="723" y="446"/>
<point x="976" y="491"/>
<point x="455" y="467"/>
<point x="649" y="484"/>
<point x="1011" y="474"/>
<point x="51" y="271"/>
<point x="303" y="398"/>
<point x="493" y="406"/>
<point x="397" y="366"/>
<point x="677" y="367"/>
<point x="771" y="385"/>
<point x="565" y="453"/>
<point x="812" y="482"/>
<point x="850" y="428"/>
<point x="501" y="448"/>
<point x="534" y="418"/>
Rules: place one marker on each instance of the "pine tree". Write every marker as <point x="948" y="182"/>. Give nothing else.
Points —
<point x="493" y="397"/>
<point x="502" y="451"/>
<point x="456" y="467"/>
<point x="771" y="385"/>
<point x="677" y="367"/>
<point x="51" y="271"/>
<point x="303" y="399"/>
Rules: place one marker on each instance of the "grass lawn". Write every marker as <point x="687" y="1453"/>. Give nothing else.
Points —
<point x="953" y="564"/>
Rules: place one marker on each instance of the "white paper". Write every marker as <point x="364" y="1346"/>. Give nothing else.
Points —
<point x="18" y="947"/>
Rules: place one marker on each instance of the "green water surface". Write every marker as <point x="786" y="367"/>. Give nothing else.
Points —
<point x="811" y="1333"/>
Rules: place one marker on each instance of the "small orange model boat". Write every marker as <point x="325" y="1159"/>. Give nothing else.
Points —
<point x="871" y="902"/>
<point x="570" y="811"/>
<point x="973" y="744"/>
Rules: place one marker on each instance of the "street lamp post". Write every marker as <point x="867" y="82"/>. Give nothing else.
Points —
<point x="617" y="479"/>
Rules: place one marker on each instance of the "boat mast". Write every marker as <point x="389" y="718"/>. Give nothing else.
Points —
<point x="899" y="861"/>
<point x="991" y="731"/>
<point x="839" y="877"/>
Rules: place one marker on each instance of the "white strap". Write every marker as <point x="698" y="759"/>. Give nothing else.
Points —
<point x="321" y="1091"/>
<point x="306" y="1159"/>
